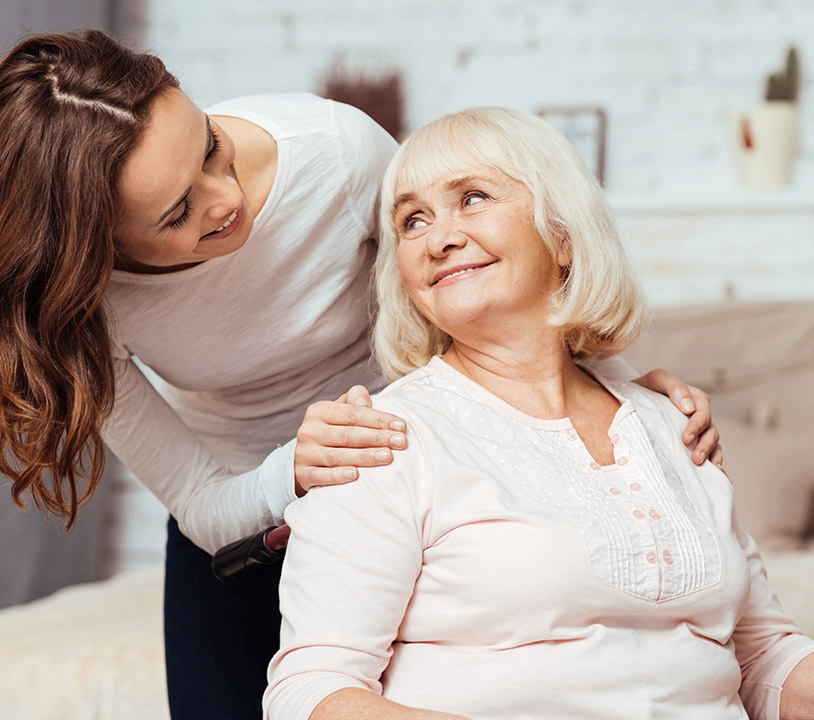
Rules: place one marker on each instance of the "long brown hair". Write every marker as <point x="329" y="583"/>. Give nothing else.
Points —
<point x="72" y="107"/>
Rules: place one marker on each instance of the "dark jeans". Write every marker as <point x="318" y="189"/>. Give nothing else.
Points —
<point x="219" y="637"/>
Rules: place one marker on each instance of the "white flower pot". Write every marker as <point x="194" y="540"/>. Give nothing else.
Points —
<point x="765" y="143"/>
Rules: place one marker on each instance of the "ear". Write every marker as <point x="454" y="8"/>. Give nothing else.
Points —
<point x="564" y="255"/>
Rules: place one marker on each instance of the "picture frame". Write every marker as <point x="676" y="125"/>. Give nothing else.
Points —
<point x="585" y="127"/>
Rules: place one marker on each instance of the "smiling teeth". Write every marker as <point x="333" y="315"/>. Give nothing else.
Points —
<point x="228" y="222"/>
<point x="460" y="272"/>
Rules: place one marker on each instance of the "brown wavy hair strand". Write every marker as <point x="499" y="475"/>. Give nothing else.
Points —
<point x="72" y="108"/>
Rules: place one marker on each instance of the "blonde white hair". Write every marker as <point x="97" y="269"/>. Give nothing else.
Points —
<point x="599" y="306"/>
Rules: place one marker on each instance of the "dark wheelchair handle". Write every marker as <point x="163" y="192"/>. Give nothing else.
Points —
<point x="265" y="548"/>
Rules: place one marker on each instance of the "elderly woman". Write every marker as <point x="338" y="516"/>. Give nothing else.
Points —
<point x="545" y="547"/>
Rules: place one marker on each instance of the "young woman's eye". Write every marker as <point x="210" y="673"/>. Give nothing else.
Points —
<point x="183" y="217"/>
<point x="216" y="145"/>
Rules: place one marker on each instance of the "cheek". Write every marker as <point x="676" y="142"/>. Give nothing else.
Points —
<point x="228" y="151"/>
<point x="408" y="267"/>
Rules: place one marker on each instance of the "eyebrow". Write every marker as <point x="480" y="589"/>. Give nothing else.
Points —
<point x="454" y="184"/>
<point x="183" y="197"/>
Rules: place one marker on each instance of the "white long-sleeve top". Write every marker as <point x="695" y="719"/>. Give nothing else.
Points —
<point x="247" y="341"/>
<point x="496" y="571"/>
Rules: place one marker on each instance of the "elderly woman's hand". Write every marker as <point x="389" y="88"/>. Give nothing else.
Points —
<point x="338" y="437"/>
<point x="695" y="403"/>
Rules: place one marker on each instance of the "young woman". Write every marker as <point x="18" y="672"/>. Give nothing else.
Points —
<point x="230" y="252"/>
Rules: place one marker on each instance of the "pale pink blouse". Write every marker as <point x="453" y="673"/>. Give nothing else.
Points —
<point x="496" y="571"/>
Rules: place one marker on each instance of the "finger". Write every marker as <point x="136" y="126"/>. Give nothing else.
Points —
<point x="346" y="436"/>
<point x="663" y="382"/>
<point x="311" y="477"/>
<point x="358" y="395"/>
<point x="707" y="442"/>
<point x="699" y="423"/>
<point x="337" y="413"/>
<point x="326" y="457"/>
<point x="716" y="457"/>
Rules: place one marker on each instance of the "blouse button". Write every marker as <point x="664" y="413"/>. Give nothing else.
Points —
<point x="651" y="557"/>
<point x="667" y="557"/>
<point x="615" y="491"/>
<point x="654" y="514"/>
<point x="615" y="439"/>
<point x="595" y="466"/>
<point x="635" y="487"/>
<point x="638" y="514"/>
<point x="622" y="461"/>
<point x="571" y="435"/>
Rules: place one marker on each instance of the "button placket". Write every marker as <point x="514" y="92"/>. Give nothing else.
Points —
<point x="656" y="558"/>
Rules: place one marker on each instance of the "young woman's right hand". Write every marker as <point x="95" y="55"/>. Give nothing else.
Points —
<point x="338" y="437"/>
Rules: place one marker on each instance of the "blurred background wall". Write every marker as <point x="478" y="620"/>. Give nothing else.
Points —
<point x="664" y="74"/>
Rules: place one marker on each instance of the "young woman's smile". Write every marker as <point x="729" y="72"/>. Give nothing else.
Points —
<point x="181" y="201"/>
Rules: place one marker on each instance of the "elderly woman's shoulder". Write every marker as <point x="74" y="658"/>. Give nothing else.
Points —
<point x="410" y="391"/>
<point x="652" y="407"/>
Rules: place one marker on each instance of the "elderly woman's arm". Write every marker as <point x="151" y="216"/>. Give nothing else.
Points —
<point x="355" y="704"/>
<point x="797" y="696"/>
<point x="352" y="562"/>
<point x="776" y="659"/>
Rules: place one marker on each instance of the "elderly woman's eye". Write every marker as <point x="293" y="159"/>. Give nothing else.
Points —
<point x="473" y="198"/>
<point x="413" y="223"/>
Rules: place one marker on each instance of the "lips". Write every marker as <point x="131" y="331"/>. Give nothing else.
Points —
<point x="228" y="227"/>
<point x="449" y="275"/>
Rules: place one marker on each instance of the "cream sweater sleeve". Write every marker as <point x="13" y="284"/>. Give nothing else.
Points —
<point x="768" y="643"/>
<point x="213" y="506"/>
<point x="353" y="558"/>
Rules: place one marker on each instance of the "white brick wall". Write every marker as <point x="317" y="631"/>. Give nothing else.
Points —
<point x="666" y="72"/>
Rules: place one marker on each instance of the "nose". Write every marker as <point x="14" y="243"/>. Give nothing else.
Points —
<point x="225" y="196"/>
<point x="444" y="237"/>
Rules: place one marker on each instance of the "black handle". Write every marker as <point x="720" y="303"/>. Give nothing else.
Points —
<point x="265" y="548"/>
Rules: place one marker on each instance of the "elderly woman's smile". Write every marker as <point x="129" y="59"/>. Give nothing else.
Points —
<point x="468" y="244"/>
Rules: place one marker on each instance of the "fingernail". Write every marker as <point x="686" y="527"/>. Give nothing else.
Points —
<point x="720" y="465"/>
<point x="398" y="425"/>
<point x="382" y="455"/>
<point x="691" y="437"/>
<point x="398" y="440"/>
<point x="349" y="474"/>
<point x="359" y="401"/>
<point x="687" y="405"/>
<point x="701" y="457"/>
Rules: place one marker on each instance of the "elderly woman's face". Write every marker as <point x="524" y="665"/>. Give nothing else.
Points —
<point x="469" y="251"/>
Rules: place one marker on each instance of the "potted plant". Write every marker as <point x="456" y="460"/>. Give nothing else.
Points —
<point x="766" y="138"/>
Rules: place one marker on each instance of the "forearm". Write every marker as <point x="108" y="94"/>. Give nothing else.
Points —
<point x="358" y="704"/>
<point x="797" y="696"/>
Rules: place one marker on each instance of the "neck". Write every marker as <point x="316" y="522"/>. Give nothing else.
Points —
<point x="534" y="374"/>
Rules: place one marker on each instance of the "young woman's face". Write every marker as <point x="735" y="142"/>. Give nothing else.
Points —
<point x="180" y="199"/>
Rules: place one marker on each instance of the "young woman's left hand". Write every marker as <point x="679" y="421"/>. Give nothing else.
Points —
<point x="338" y="437"/>
<point x="694" y="403"/>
